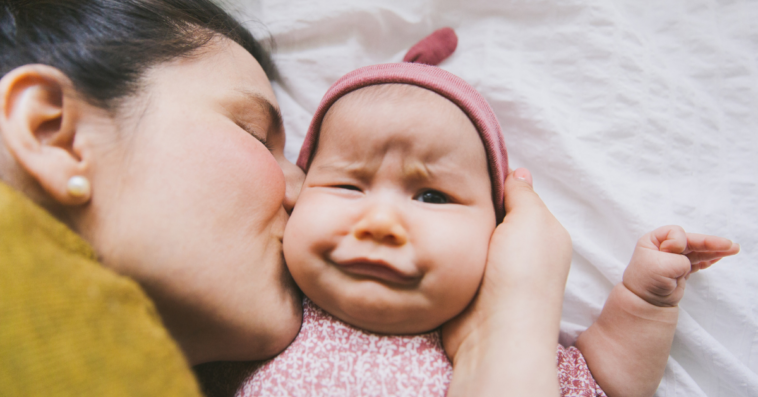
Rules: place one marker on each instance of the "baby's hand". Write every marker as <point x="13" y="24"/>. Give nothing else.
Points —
<point x="665" y="258"/>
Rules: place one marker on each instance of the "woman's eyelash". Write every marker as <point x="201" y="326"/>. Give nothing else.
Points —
<point x="251" y="131"/>
<point x="265" y="143"/>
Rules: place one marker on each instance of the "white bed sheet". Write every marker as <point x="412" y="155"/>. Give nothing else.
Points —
<point x="630" y="114"/>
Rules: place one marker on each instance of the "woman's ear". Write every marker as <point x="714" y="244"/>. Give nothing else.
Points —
<point x="38" y="120"/>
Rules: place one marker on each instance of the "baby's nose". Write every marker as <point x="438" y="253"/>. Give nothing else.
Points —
<point x="382" y="225"/>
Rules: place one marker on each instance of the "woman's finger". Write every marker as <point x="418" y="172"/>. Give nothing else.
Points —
<point x="519" y="194"/>
<point x="523" y="174"/>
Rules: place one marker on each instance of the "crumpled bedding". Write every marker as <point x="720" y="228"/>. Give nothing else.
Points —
<point x="630" y="115"/>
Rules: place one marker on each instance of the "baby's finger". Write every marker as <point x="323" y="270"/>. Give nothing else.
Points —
<point x="670" y="239"/>
<point x="703" y="242"/>
<point x="698" y="257"/>
<point x="703" y="265"/>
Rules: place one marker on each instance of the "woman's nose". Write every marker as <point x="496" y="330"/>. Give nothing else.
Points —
<point x="293" y="176"/>
<point x="383" y="226"/>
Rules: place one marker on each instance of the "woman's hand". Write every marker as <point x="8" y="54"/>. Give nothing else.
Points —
<point x="504" y="343"/>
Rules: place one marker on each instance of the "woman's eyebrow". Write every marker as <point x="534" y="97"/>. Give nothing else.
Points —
<point x="273" y="112"/>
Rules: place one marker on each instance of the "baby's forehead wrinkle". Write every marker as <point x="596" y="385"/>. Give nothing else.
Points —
<point x="359" y="169"/>
<point x="411" y="168"/>
<point x="416" y="170"/>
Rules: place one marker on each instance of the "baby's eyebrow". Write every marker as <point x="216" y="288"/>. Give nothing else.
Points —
<point x="413" y="170"/>
<point x="358" y="170"/>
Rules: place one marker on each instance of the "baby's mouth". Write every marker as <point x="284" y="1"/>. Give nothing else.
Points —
<point x="377" y="269"/>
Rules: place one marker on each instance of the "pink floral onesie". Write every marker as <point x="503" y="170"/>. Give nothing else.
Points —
<point x="332" y="358"/>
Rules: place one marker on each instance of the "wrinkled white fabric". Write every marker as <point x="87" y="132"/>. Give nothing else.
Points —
<point x="630" y="114"/>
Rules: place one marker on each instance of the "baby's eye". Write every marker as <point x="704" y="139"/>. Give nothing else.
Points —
<point x="433" y="197"/>
<point x="348" y="187"/>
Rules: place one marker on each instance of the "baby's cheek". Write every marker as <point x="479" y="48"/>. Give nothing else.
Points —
<point x="298" y="244"/>
<point x="457" y="272"/>
<point x="459" y="282"/>
<point x="309" y="237"/>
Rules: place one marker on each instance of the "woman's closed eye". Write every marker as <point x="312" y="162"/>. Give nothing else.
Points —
<point x="432" y="197"/>
<point x="260" y="137"/>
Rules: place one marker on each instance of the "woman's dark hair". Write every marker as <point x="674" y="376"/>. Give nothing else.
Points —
<point x="105" y="46"/>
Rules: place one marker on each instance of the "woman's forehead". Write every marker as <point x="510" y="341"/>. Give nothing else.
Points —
<point x="219" y="69"/>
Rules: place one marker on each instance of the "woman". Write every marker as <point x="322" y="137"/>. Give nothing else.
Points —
<point x="150" y="129"/>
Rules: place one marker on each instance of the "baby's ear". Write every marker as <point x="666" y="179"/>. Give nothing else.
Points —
<point x="39" y="110"/>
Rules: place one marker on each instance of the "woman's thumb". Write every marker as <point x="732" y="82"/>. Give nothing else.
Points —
<point x="518" y="190"/>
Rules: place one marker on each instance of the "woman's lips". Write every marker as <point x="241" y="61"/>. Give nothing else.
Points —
<point x="377" y="269"/>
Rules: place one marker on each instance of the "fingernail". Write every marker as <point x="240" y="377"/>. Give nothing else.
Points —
<point x="523" y="174"/>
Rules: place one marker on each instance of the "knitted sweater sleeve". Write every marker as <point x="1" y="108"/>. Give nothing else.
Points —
<point x="70" y="327"/>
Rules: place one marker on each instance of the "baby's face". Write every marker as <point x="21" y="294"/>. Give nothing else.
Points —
<point x="392" y="227"/>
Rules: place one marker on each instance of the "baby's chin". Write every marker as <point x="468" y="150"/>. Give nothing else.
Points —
<point x="387" y="313"/>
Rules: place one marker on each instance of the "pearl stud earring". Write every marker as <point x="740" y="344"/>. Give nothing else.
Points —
<point x="78" y="186"/>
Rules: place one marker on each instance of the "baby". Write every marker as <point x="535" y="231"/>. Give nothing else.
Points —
<point x="389" y="238"/>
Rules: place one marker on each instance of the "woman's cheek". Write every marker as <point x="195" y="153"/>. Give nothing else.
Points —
<point x="252" y="172"/>
<point x="268" y="175"/>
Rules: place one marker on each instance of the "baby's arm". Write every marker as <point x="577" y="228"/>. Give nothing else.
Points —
<point x="628" y="346"/>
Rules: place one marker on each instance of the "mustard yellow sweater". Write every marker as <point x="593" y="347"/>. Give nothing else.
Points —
<point x="68" y="326"/>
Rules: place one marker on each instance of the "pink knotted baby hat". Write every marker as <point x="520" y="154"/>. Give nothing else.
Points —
<point x="432" y="49"/>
